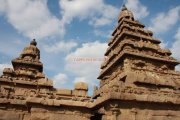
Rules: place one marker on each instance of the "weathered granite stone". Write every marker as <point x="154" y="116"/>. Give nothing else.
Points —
<point x="64" y="92"/>
<point x="138" y="81"/>
<point x="10" y="115"/>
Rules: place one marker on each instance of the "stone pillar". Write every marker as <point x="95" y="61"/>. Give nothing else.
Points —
<point x="114" y="111"/>
<point x="81" y="89"/>
<point x="134" y="113"/>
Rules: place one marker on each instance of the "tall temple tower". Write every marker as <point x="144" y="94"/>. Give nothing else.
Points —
<point x="138" y="80"/>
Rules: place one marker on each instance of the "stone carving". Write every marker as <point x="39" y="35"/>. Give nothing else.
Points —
<point x="147" y="74"/>
<point x="138" y="81"/>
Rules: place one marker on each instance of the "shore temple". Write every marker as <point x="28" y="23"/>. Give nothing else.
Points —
<point x="138" y="81"/>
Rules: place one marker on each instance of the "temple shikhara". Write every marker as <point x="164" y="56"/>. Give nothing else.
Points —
<point x="138" y="81"/>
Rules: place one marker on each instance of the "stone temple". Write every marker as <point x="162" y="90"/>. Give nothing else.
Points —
<point x="138" y="81"/>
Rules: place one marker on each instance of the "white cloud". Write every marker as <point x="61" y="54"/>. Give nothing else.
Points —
<point x="60" y="80"/>
<point x="163" y="44"/>
<point x="175" y="48"/>
<point x="2" y="6"/>
<point x="176" y="45"/>
<point x="178" y="68"/>
<point x="109" y="14"/>
<point x="2" y="66"/>
<point x="32" y="18"/>
<point x="85" y="62"/>
<point x="165" y="21"/>
<point x="103" y="33"/>
<point x="102" y="15"/>
<point x="139" y="10"/>
<point x="60" y="47"/>
<point x="7" y="47"/>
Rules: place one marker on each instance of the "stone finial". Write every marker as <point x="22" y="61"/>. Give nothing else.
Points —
<point x="81" y="86"/>
<point x="80" y="89"/>
<point x="33" y="42"/>
<point x="124" y="7"/>
<point x="125" y="13"/>
<point x="31" y="56"/>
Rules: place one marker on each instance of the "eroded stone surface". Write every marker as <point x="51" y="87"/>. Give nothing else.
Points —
<point x="138" y="74"/>
<point x="138" y="81"/>
<point x="25" y="87"/>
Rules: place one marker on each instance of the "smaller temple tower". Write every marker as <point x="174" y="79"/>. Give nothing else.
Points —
<point x="27" y="77"/>
<point x="26" y="94"/>
<point x="29" y="58"/>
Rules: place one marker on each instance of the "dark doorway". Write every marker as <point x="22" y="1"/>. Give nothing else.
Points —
<point x="96" y="117"/>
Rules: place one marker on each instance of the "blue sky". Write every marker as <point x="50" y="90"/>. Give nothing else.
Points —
<point x="70" y="29"/>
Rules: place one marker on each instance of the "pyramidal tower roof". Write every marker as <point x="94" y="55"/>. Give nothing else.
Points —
<point x="130" y="34"/>
<point x="30" y="56"/>
<point x="136" y="62"/>
<point x="28" y="64"/>
<point x="26" y="84"/>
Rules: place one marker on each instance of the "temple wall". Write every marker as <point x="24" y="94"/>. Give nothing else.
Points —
<point x="145" y="114"/>
<point x="143" y="111"/>
<point x="127" y="114"/>
<point x="49" y="113"/>
<point x="11" y="115"/>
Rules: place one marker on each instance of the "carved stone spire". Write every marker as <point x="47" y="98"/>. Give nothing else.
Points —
<point x="31" y="51"/>
<point x="135" y="61"/>
<point x="33" y="42"/>
<point x="29" y="60"/>
<point x="125" y="13"/>
<point x="124" y="7"/>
